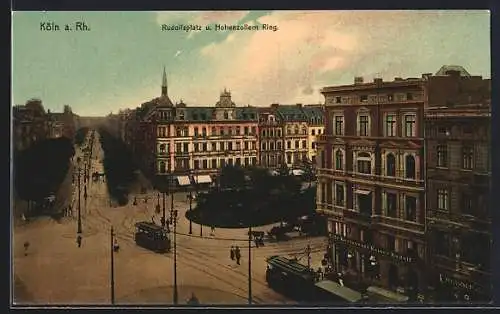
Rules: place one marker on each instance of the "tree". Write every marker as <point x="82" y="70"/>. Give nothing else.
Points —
<point x="232" y="177"/>
<point x="309" y="174"/>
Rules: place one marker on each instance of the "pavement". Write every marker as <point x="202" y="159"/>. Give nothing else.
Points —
<point x="56" y="271"/>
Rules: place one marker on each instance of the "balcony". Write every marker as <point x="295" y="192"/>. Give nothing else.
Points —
<point x="446" y="218"/>
<point x="409" y="226"/>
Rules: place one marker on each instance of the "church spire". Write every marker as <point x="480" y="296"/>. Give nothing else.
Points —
<point x="164" y="86"/>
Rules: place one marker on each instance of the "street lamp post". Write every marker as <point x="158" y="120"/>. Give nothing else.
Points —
<point x="79" y="231"/>
<point x="173" y="219"/>
<point x="190" y="211"/>
<point x="250" y="264"/>
<point x="112" y="267"/>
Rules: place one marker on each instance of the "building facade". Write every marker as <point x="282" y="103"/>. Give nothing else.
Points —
<point x="458" y="216"/>
<point x="294" y="132"/>
<point x="270" y="138"/>
<point x="372" y="176"/>
<point x="315" y="127"/>
<point x="371" y="182"/>
<point x="170" y="138"/>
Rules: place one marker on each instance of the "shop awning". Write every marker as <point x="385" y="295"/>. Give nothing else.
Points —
<point x="344" y="293"/>
<point x="362" y="192"/>
<point x="202" y="179"/>
<point x="183" y="180"/>
<point x="383" y="295"/>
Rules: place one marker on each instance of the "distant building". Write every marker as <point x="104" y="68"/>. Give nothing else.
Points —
<point x="271" y="138"/>
<point x="295" y="131"/>
<point x="315" y="127"/>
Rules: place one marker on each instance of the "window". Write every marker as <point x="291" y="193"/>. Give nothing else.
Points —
<point x="178" y="147"/>
<point x="245" y="130"/>
<point x="230" y="146"/>
<point x="214" y="131"/>
<point x="313" y="132"/>
<point x="313" y="145"/>
<point x="363" y="98"/>
<point x="442" y="199"/>
<point x="409" y="96"/>
<point x="162" y="148"/>
<point x="390" y="125"/>
<point x="391" y="205"/>
<point x="339" y="160"/>
<point x="468" y="157"/>
<point x="410" y="122"/>
<point x="304" y="144"/>
<point x="264" y="146"/>
<point x="339" y="195"/>
<point x="364" y="163"/>
<point x="442" y="241"/>
<point x="163" y="167"/>
<point x="238" y="130"/>
<point x="339" y="125"/>
<point x="410" y="167"/>
<point x="297" y="144"/>
<point x="443" y="130"/>
<point x="204" y="131"/>
<point x="390" y="97"/>
<point x="289" y="144"/>
<point x="205" y="147"/>
<point x="279" y="133"/>
<point x="271" y="146"/>
<point x="323" y="193"/>
<point x="246" y="145"/>
<point x="186" y="147"/>
<point x="214" y="163"/>
<point x="363" y="125"/>
<point x="195" y="131"/>
<point x="442" y="156"/>
<point x="296" y="130"/>
<point x="226" y="115"/>
<point x="214" y="146"/>
<point x="196" y="164"/>
<point x="338" y="100"/>
<point x="411" y="208"/>
<point x="221" y="131"/>
<point x="196" y="147"/>
<point x="278" y="145"/>
<point x="390" y="165"/>
<point x="467" y="204"/>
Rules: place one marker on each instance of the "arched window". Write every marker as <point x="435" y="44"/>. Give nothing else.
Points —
<point x="364" y="163"/>
<point x="163" y="167"/>
<point x="162" y="148"/>
<point x="339" y="160"/>
<point x="391" y="165"/>
<point x="410" y="167"/>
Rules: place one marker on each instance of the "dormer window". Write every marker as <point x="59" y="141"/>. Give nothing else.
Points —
<point x="226" y="115"/>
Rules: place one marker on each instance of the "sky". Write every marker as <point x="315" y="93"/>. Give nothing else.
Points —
<point x="118" y="63"/>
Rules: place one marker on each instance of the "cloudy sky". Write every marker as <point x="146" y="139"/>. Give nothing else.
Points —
<point x="118" y="63"/>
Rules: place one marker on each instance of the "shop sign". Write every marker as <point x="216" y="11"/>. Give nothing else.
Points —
<point x="373" y="249"/>
<point x="455" y="282"/>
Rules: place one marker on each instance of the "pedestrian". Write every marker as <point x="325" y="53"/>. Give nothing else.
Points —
<point x="26" y="246"/>
<point x="79" y="240"/>
<point x="232" y="253"/>
<point x="116" y="247"/>
<point x="237" y="254"/>
<point x="212" y="230"/>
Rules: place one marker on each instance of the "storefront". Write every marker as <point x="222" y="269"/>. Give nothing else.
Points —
<point x="449" y="288"/>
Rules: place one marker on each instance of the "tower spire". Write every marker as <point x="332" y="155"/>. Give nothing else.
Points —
<point x="164" y="86"/>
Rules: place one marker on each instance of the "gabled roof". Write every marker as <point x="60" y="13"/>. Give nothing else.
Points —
<point x="445" y="68"/>
<point x="291" y="113"/>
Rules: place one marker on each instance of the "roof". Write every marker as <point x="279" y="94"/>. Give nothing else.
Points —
<point x="314" y="114"/>
<point x="291" y="113"/>
<point x="445" y="68"/>
<point x="288" y="264"/>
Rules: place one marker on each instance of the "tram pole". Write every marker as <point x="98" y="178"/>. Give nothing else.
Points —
<point x="112" y="267"/>
<point x="79" y="231"/>
<point x="173" y="218"/>
<point x="250" y="265"/>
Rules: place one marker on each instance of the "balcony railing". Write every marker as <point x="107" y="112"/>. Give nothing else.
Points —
<point x="399" y="223"/>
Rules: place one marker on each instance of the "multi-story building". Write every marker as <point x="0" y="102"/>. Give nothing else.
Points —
<point x="458" y="215"/>
<point x="295" y="134"/>
<point x="271" y="151"/>
<point x="372" y="175"/>
<point x="179" y="139"/>
<point x="29" y="124"/>
<point x="371" y="182"/>
<point x="315" y="127"/>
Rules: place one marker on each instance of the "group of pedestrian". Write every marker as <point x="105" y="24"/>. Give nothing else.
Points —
<point x="235" y="254"/>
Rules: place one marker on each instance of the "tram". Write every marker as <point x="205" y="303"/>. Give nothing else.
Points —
<point x="152" y="237"/>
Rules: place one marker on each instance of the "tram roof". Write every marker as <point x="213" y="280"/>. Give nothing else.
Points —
<point x="148" y="225"/>
<point x="288" y="264"/>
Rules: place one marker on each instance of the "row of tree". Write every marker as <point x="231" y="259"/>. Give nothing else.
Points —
<point x="40" y="169"/>
<point x="80" y="135"/>
<point x="118" y="165"/>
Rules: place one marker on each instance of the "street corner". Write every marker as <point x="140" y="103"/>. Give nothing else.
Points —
<point x="164" y="295"/>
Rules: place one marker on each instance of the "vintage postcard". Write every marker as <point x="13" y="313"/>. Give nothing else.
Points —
<point x="251" y="158"/>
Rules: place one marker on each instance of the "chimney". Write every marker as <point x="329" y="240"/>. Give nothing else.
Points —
<point x="377" y="80"/>
<point x="426" y="75"/>
<point x="275" y="106"/>
<point x="398" y="79"/>
<point x="358" y="80"/>
<point x="299" y="105"/>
